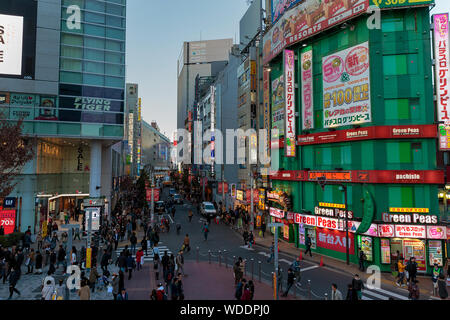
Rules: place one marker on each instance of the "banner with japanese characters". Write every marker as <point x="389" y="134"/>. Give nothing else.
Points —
<point x="334" y="240"/>
<point x="306" y="68"/>
<point x="441" y="55"/>
<point x="290" y="137"/>
<point x="278" y="106"/>
<point x="346" y="87"/>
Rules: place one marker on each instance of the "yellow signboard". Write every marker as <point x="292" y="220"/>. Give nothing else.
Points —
<point x="88" y="258"/>
<point x="331" y="205"/>
<point x="410" y="210"/>
<point x="44" y="229"/>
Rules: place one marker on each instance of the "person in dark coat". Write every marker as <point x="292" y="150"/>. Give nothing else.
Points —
<point x="358" y="285"/>
<point x="290" y="281"/>
<point x="442" y="287"/>
<point x="351" y="294"/>
<point x="105" y="261"/>
<point x="13" y="279"/>
<point x="130" y="266"/>
<point x="39" y="259"/>
<point x="121" y="281"/>
<point x="411" y="267"/>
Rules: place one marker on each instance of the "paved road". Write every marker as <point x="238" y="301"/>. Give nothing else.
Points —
<point x="223" y="238"/>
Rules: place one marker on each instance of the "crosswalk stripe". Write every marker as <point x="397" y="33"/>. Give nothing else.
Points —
<point x="392" y="294"/>
<point x="365" y="298"/>
<point x="376" y="295"/>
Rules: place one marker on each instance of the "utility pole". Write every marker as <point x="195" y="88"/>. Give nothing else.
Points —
<point x="252" y="219"/>
<point x="275" y="254"/>
<point x="152" y="210"/>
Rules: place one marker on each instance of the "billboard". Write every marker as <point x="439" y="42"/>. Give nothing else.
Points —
<point x="442" y="65"/>
<point x="306" y="69"/>
<point x="278" y="105"/>
<point x="18" y="38"/>
<point x="11" y="37"/>
<point x="444" y="135"/>
<point x="250" y="22"/>
<point x="346" y="87"/>
<point x="289" y="96"/>
<point x="280" y="6"/>
<point x="307" y="19"/>
<point x="8" y="220"/>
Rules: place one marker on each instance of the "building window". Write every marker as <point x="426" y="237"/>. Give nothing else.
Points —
<point x="397" y="109"/>
<point x="398" y="152"/>
<point x="400" y="64"/>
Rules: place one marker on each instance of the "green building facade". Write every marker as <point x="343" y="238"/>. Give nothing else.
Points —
<point x="389" y="168"/>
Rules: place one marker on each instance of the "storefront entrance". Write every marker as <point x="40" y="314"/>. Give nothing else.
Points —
<point x="411" y="248"/>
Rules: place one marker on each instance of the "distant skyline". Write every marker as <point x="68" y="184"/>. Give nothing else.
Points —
<point x="156" y="30"/>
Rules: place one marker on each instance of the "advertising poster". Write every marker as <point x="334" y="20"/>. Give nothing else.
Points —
<point x="334" y="240"/>
<point x="442" y="65"/>
<point x="290" y="137"/>
<point x="286" y="232"/>
<point x="95" y="218"/>
<point x="8" y="220"/>
<point x="266" y="97"/>
<point x="233" y="190"/>
<point x="365" y="243"/>
<point x="148" y="195"/>
<point x="280" y="6"/>
<point x="346" y="87"/>
<point x="312" y="236"/>
<point x="306" y="68"/>
<point x="11" y="43"/>
<point x="435" y="252"/>
<point x="416" y="249"/>
<point x="385" y="252"/>
<point x="258" y="221"/>
<point x="47" y="110"/>
<point x="278" y="106"/>
<point x="301" y="234"/>
<point x="308" y="18"/>
<point x="444" y="135"/>
<point x="437" y="232"/>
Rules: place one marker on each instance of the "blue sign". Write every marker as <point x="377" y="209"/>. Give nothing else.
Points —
<point x="9" y="203"/>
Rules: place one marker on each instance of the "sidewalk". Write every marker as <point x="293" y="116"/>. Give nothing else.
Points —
<point x="425" y="284"/>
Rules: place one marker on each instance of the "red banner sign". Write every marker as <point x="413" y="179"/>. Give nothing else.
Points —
<point x="255" y="195"/>
<point x="220" y="187"/>
<point x="366" y="133"/>
<point x="155" y="194"/>
<point x="369" y="176"/>
<point x="334" y="240"/>
<point x="8" y="220"/>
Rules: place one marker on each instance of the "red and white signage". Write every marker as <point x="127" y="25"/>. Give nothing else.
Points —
<point x="277" y="213"/>
<point x="155" y="194"/>
<point x="307" y="90"/>
<point x="306" y="220"/>
<point x="289" y="96"/>
<point x="386" y="231"/>
<point x="220" y="187"/>
<point x="334" y="240"/>
<point x="437" y="232"/>
<point x="8" y="220"/>
<point x="410" y="231"/>
<point x="329" y="223"/>
<point x="255" y="195"/>
<point x="441" y="55"/>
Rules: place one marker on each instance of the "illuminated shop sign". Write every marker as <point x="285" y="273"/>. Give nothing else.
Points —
<point x="289" y="95"/>
<point x="409" y="218"/>
<point x="333" y="212"/>
<point x="442" y="65"/>
<point x="410" y="210"/>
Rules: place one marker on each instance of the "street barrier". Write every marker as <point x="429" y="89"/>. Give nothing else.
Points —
<point x="197" y="252"/>
<point x="326" y="296"/>
<point x="309" y="289"/>
<point x="209" y="256"/>
<point x="253" y="262"/>
<point x="225" y="258"/>
<point x="259" y="266"/>
<point x="220" y="258"/>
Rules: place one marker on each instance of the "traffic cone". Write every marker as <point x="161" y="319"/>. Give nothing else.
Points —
<point x="300" y="257"/>
<point x="321" y="262"/>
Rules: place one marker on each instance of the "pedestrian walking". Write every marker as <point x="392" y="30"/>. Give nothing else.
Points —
<point x="104" y="262"/>
<point x="160" y="292"/>
<point x="205" y="231"/>
<point x="61" y="291"/>
<point x="139" y="259"/>
<point x="290" y="281"/>
<point x="121" y="280"/>
<point x="411" y="267"/>
<point x="335" y="293"/>
<point x="358" y="286"/>
<point x="93" y="276"/>
<point x="252" y="289"/>
<point x="237" y="273"/>
<point x="190" y="215"/>
<point x="144" y="244"/>
<point x="131" y="264"/>
<point x="48" y="290"/>
<point x="362" y="259"/>
<point x="180" y="262"/>
<point x="174" y="290"/>
<point x="295" y="266"/>
<point x="401" y="272"/>
<point x="442" y="287"/>
<point x="413" y="289"/>
<point x="84" y="293"/>
<point x="435" y="273"/>
<point x="263" y="226"/>
<point x="31" y="260"/>
<point x="178" y="228"/>
<point x="39" y="259"/>
<point x="123" y="295"/>
<point x="115" y="285"/>
<point x="13" y="279"/>
<point x="351" y="293"/>
<point x="246" y="295"/>
<point x="272" y="252"/>
<point x="186" y="243"/>
<point x="240" y="289"/>
<point x="133" y="241"/>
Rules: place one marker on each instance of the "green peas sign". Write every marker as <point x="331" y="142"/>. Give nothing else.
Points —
<point x="399" y="3"/>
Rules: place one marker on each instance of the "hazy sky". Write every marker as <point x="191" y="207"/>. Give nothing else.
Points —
<point x="156" y="30"/>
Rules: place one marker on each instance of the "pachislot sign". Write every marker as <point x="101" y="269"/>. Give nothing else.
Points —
<point x="346" y="87"/>
<point x="289" y="96"/>
<point x="307" y="89"/>
<point x="441" y="54"/>
<point x="277" y="213"/>
<point x="8" y="220"/>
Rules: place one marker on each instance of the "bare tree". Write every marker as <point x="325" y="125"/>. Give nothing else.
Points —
<point x="15" y="152"/>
